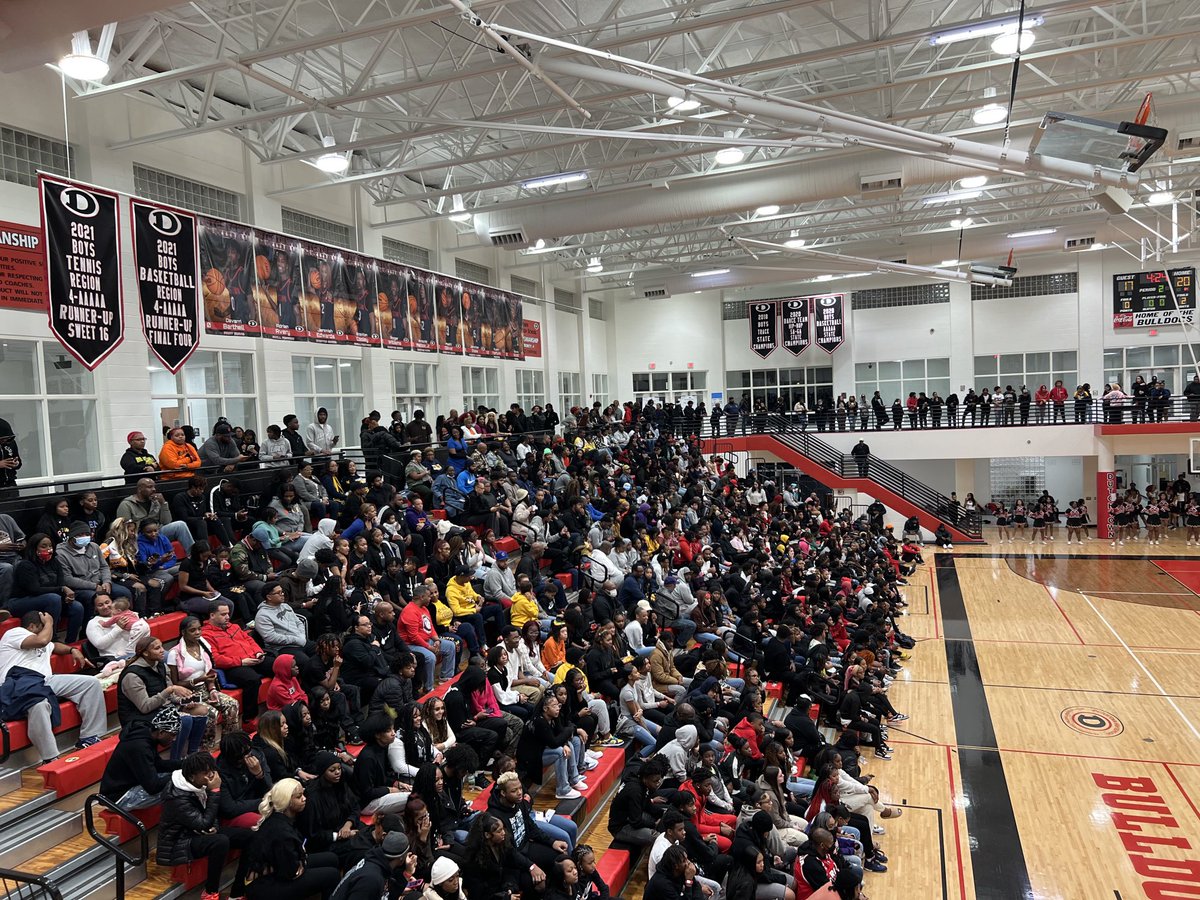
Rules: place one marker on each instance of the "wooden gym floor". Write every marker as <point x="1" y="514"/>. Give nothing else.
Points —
<point x="1053" y="749"/>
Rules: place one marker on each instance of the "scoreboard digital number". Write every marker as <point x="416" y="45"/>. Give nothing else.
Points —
<point x="1144" y="299"/>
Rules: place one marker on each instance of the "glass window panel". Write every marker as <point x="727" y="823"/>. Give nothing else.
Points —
<point x="1110" y="378"/>
<point x="822" y="375"/>
<point x="423" y="379"/>
<point x="982" y="382"/>
<point x="940" y="385"/>
<point x="324" y="375"/>
<point x="888" y="370"/>
<point x="1163" y="356"/>
<point x="1037" y="362"/>
<point x="238" y="369"/>
<point x="302" y="375"/>
<point x="938" y="367"/>
<point x="65" y="375"/>
<point x="864" y="372"/>
<point x="1012" y="364"/>
<point x="1070" y="380"/>
<point x="400" y="379"/>
<point x="986" y="365"/>
<point x="352" y="414"/>
<point x="25" y="416"/>
<point x="889" y="390"/>
<point x="641" y="381"/>
<point x="350" y="372"/>
<point x="1064" y="361"/>
<point x="18" y="369"/>
<point x="162" y="381"/>
<point x="913" y="369"/>
<point x="1114" y="359"/>
<point x="1137" y="357"/>
<point x="658" y="380"/>
<point x="699" y="380"/>
<point x="202" y="414"/>
<point x="200" y="375"/>
<point x="168" y="414"/>
<point x="306" y="411"/>
<point x="492" y="381"/>
<point x="243" y="411"/>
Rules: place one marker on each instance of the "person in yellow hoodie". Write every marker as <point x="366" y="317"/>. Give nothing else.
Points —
<point x="524" y="605"/>
<point x="466" y="603"/>
<point x="447" y="627"/>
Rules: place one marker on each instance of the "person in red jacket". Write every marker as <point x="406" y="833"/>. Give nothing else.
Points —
<point x="1042" y="401"/>
<point x="285" y="689"/>
<point x="700" y="786"/>
<point x="240" y="659"/>
<point x="1058" y="396"/>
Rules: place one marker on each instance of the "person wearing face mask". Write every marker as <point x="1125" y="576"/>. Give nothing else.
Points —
<point x="85" y="570"/>
<point x="39" y="584"/>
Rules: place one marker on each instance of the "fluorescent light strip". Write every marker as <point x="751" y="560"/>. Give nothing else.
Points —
<point x="984" y="29"/>
<point x="710" y="272"/>
<point x="554" y="180"/>
<point x="954" y="197"/>
<point x="1034" y="232"/>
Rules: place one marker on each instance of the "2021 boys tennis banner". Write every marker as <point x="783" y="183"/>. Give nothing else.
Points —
<point x="83" y="267"/>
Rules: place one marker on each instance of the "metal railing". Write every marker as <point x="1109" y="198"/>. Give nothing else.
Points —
<point x="16" y="885"/>
<point x="122" y="858"/>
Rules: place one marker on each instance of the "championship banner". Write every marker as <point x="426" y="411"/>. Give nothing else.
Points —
<point x="228" y="278"/>
<point x="361" y="302"/>
<point x="1106" y="492"/>
<point x="280" y="290"/>
<point x="828" y="321"/>
<point x="325" y="314"/>
<point x="83" y="262"/>
<point x="531" y="337"/>
<point x="166" y="255"/>
<point x="449" y="314"/>
<point x="764" y="327"/>
<point x="796" y="332"/>
<point x="22" y="268"/>
<point x="396" y="305"/>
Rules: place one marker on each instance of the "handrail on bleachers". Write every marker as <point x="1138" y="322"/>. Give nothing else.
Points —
<point x="29" y="886"/>
<point x="122" y="858"/>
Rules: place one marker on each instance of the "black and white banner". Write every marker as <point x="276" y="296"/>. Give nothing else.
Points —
<point x="829" y="321"/>
<point x="166" y="255"/>
<point x="83" y="267"/>
<point x="764" y="327"/>
<point x="796" y="332"/>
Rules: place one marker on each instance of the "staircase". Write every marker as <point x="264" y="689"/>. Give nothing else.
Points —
<point x="893" y="488"/>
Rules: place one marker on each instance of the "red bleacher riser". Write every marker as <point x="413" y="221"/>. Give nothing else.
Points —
<point x="775" y="689"/>
<point x="606" y="774"/>
<point x="439" y="514"/>
<point x="567" y="580"/>
<point x="122" y="830"/>
<point x="166" y="627"/>
<point x="507" y="544"/>
<point x="480" y="803"/>
<point x="614" y="867"/>
<point x="78" y="769"/>
<point x="814" y="711"/>
<point x="192" y="874"/>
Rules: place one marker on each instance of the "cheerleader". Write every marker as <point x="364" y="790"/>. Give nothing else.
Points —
<point x="1191" y="518"/>
<point x="1038" y="515"/>
<point x="1133" y="517"/>
<point x="1020" y="518"/>
<point x="1002" y="520"/>
<point x="1076" y="516"/>
<point x="1156" y="511"/>
<point x="1050" y="506"/>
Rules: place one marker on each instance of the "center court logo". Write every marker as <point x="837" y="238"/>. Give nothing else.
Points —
<point x="1092" y="722"/>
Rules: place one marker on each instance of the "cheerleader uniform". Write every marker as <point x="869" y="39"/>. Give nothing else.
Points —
<point x="1074" y="517"/>
<point x="1019" y="517"/>
<point x="1002" y="518"/>
<point x="1191" y="515"/>
<point x="1039" y="518"/>
<point x="1153" y="516"/>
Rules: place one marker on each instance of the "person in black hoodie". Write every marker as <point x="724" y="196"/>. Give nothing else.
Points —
<point x="508" y="804"/>
<point x="374" y="779"/>
<point x="245" y="777"/>
<point x="331" y="815"/>
<point x="635" y="812"/>
<point x="56" y="520"/>
<point x="492" y="868"/>
<point x="364" y="664"/>
<point x="544" y="741"/>
<point x="277" y="858"/>
<point x="371" y="876"/>
<point x="136" y="774"/>
<point x="674" y="879"/>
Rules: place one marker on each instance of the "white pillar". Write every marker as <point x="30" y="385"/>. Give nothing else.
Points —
<point x="962" y="338"/>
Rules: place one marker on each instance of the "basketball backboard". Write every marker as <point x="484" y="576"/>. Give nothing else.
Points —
<point x="1122" y="146"/>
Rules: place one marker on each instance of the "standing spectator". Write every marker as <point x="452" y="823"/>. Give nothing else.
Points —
<point x="1058" y="398"/>
<point x="862" y="456"/>
<point x="178" y="458"/>
<point x="137" y="461"/>
<point x="1192" y="394"/>
<point x="148" y="503"/>
<point x="319" y="438"/>
<point x="418" y="432"/>
<point x="10" y="460"/>
<point x="25" y="648"/>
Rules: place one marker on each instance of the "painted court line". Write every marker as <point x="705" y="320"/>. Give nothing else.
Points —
<point x="1141" y="665"/>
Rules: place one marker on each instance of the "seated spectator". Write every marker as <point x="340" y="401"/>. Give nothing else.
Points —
<point x="147" y="503"/>
<point x="225" y="501"/>
<point x="636" y="810"/>
<point x="178" y="459"/>
<point x="189" y="829"/>
<point x="413" y="746"/>
<point x="321" y="539"/>
<point x="145" y="688"/>
<point x="193" y="508"/>
<point x="30" y="690"/>
<point x="39" y="585"/>
<point x="546" y="740"/>
<point x="137" y="461"/>
<point x="674" y="878"/>
<point x="120" y="552"/>
<point x="242" y="661"/>
<point x="663" y="671"/>
<point x="245" y="778"/>
<point x="85" y="571"/>
<point x="416" y="630"/>
<point x="482" y="707"/>
<point x="12" y="545"/>
<point x="136" y="776"/>
<point x="291" y="519"/>
<point x="190" y="663"/>
<point x="221" y="451"/>
<point x="87" y="510"/>
<point x="114" y="633"/>
<point x="156" y="557"/>
<point x="311" y="492"/>
<point x="631" y="722"/>
<point x="280" y="628"/>
<point x="364" y="664"/>
<point x="55" y="520"/>
<point x="250" y="566"/>
<point x="375" y="781"/>
<point x="468" y="607"/>
<point x="492" y="868"/>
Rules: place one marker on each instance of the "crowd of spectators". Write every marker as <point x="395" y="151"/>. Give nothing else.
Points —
<point x="591" y="583"/>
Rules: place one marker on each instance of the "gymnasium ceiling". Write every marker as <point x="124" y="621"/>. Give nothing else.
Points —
<point x="429" y="109"/>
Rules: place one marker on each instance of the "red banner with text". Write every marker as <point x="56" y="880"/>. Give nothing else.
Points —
<point x="1106" y="494"/>
<point x="22" y="267"/>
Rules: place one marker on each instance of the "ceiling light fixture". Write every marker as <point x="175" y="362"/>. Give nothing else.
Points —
<point x="952" y="197"/>
<point x="1009" y="43"/>
<point x="595" y="267"/>
<point x="554" y="180"/>
<point x="710" y="272"/>
<point x="769" y="210"/>
<point x="458" y="210"/>
<point x="682" y="104"/>
<point x="1160" y="198"/>
<point x="961" y="223"/>
<point x="946" y="263"/>
<point x="1033" y="232"/>
<point x="990" y="114"/>
<point x="730" y="156"/>
<point x="1007" y="25"/>
<point x="795" y="243"/>
<point x="824" y="278"/>
<point x="330" y="162"/>
<point x="973" y="181"/>
<point x="81" y="63"/>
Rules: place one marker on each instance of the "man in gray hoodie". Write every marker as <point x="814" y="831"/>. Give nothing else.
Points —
<point x="85" y="570"/>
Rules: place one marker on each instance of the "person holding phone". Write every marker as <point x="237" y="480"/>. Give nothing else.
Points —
<point x="319" y="437"/>
<point x="10" y="460"/>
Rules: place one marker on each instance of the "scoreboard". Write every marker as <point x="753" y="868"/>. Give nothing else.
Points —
<point x="1143" y="299"/>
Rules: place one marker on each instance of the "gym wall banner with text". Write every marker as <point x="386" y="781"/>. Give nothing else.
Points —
<point x="805" y="321"/>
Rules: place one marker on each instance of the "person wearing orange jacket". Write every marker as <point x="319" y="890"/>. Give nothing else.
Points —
<point x="178" y="458"/>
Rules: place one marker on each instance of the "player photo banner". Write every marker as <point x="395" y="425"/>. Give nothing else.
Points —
<point x="764" y="327"/>
<point x="83" y="265"/>
<point x="361" y="301"/>
<point x="829" y="321"/>
<point x="325" y="307"/>
<point x="166" y="254"/>
<point x="796" y="332"/>
<point x="280" y="287"/>
<point x="397" y="304"/>
<point x="478" y="304"/>
<point x="513" y="338"/>
<point x="227" y="278"/>
<point x="449" y="293"/>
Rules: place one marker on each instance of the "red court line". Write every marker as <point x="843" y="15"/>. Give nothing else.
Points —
<point x="1195" y="811"/>
<point x="1057" y="606"/>
<point x="1185" y="577"/>
<point x="1144" y="762"/>
<point x="962" y="875"/>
